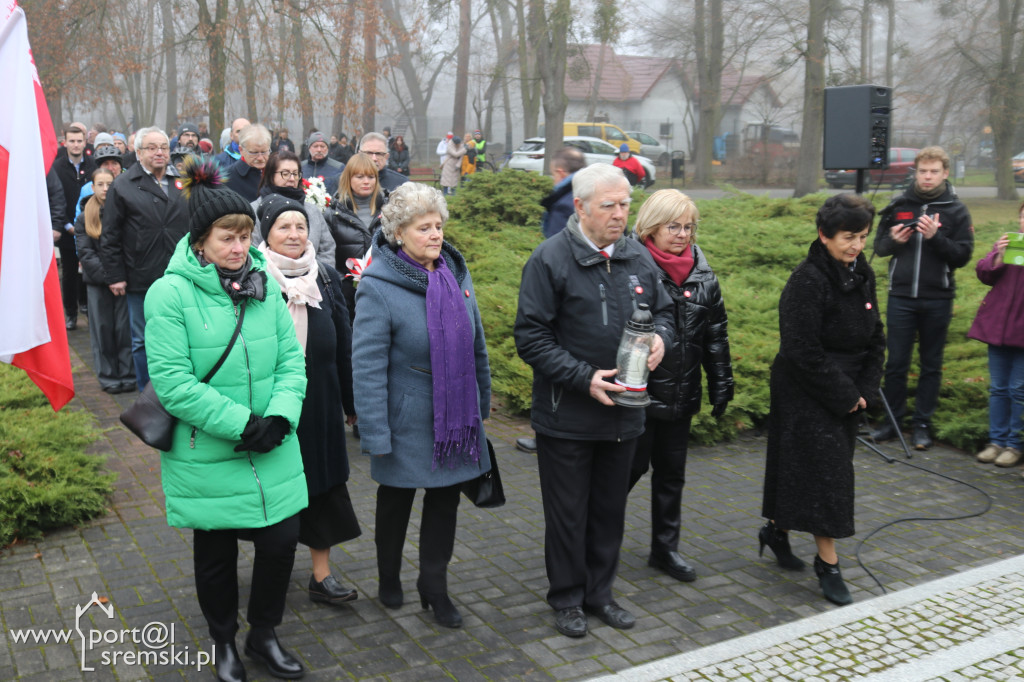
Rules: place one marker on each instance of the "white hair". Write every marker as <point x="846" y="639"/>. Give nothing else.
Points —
<point x="586" y="180"/>
<point x="410" y="201"/>
<point x="254" y="132"/>
<point x="141" y="133"/>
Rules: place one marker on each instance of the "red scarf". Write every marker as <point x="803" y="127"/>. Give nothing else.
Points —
<point x="676" y="267"/>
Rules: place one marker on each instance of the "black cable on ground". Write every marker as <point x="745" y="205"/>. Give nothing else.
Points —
<point x="890" y="460"/>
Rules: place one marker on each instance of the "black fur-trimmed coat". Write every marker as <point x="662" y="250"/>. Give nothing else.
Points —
<point x="831" y="351"/>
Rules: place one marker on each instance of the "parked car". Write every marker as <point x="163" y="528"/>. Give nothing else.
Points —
<point x="650" y="147"/>
<point x="899" y="173"/>
<point x="530" y="155"/>
<point x="609" y="132"/>
<point x="1018" y="168"/>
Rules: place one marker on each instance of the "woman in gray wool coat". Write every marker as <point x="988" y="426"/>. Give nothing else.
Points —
<point x="422" y="387"/>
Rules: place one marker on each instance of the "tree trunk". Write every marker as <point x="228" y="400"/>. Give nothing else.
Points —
<point x="865" y="41"/>
<point x="595" y="91"/>
<point x="890" y="42"/>
<point x="301" y="69"/>
<point x="344" y="60"/>
<point x="709" y="80"/>
<point x="369" y="70"/>
<point x="248" y="68"/>
<point x="170" y="54"/>
<point x="529" y="76"/>
<point x="212" y="30"/>
<point x="462" y="67"/>
<point x="282" y="67"/>
<point x="808" y="170"/>
<point x="548" y="35"/>
<point x="1004" y="98"/>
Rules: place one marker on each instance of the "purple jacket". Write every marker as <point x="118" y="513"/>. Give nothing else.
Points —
<point x="1000" y="319"/>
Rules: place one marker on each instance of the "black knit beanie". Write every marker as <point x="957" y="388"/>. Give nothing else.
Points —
<point x="208" y="198"/>
<point x="271" y="208"/>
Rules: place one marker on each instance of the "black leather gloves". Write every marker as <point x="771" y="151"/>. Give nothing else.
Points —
<point x="718" y="410"/>
<point x="263" y="434"/>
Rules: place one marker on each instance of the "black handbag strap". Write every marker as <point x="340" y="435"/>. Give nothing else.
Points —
<point x="234" y="337"/>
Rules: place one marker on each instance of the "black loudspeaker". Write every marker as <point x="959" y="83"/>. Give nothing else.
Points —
<point x="857" y="123"/>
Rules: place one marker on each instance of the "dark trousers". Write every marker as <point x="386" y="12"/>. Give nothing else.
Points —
<point x="70" y="279"/>
<point x="662" y="447"/>
<point x="437" y="534"/>
<point x="110" y="337"/>
<point x="584" y="485"/>
<point x="928" y="321"/>
<point x="216" y="564"/>
<point x="137" y="324"/>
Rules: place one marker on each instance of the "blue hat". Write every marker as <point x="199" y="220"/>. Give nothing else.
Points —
<point x="623" y="147"/>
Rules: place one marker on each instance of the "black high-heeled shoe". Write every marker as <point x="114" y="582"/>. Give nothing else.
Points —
<point x="831" y="580"/>
<point x="778" y="541"/>
<point x="445" y="612"/>
<point x="390" y="593"/>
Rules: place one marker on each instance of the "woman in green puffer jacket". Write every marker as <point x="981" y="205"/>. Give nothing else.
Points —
<point x="234" y="463"/>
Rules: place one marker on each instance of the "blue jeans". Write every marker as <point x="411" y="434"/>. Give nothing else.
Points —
<point x="928" y="321"/>
<point x="1006" y="395"/>
<point x="137" y="320"/>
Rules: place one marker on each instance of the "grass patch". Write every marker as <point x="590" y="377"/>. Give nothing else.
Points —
<point x="753" y="243"/>
<point x="47" y="480"/>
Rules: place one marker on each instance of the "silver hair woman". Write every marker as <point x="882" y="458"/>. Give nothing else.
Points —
<point x="420" y="361"/>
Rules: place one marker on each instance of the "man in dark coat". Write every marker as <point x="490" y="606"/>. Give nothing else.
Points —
<point x="144" y="217"/>
<point x="375" y="146"/>
<point x="244" y="176"/>
<point x="74" y="169"/>
<point x="578" y="290"/>
<point x="927" y="230"/>
<point x="558" y="209"/>
<point x="319" y="165"/>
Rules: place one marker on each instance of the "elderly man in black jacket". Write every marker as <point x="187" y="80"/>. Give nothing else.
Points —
<point x="144" y="217"/>
<point x="578" y="290"/>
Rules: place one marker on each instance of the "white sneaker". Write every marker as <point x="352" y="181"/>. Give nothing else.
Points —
<point x="989" y="453"/>
<point x="1008" y="457"/>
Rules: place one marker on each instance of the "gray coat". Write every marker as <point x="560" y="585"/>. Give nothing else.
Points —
<point x="391" y="371"/>
<point x="319" y="234"/>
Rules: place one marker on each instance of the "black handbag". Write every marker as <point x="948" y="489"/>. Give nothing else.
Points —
<point x="486" y="490"/>
<point x="150" y="421"/>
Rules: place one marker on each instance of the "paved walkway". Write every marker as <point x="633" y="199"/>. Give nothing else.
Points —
<point x="743" y="617"/>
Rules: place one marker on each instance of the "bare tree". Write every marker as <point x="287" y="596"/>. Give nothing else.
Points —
<point x="809" y="163"/>
<point x="549" y="30"/>
<point x="213" y="31"/>
<point x="606" y="31"/>
<point x="248" y="67"/>
<point x="169" y="49"/>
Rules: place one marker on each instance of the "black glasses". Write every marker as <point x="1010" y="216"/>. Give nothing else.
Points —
<point x="288" y="175"/>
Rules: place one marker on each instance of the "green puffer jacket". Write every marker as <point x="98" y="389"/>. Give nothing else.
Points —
<point x="189" y="321"/>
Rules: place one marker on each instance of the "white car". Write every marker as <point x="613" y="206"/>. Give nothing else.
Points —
<point x="650" y="147"/>
<point x="530" y="155"/>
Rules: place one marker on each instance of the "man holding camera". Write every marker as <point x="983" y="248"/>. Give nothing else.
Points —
<point x="927" y="230"/>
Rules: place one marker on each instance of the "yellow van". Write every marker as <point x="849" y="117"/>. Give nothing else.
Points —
<point x="610" y="133"/>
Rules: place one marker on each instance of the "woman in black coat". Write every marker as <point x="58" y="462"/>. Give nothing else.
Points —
<point x="399" y="159"/>
<point x="667" y="226"/>
<point x="827" y="372"/>
<point x="354" y="216"/>
<point x="320" y="315"/>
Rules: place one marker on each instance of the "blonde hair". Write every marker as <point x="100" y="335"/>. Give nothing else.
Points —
<point x="933" y="153"/>
<point x="661" y="208"/>
<point x="93" y="224"/>
<point x="359" y="164"/>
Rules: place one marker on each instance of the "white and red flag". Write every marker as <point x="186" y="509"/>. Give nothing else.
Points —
<point x="32" y="334"/>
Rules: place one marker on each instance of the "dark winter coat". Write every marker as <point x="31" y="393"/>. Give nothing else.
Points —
<point x="573" y="305"/>
<point x="391" y="368"/>
<point x="390" y="180"/>
<point x="923" y="268"/>
<point x="559" y="208"/>
<point x="328" y="388"/>
<point x="141" y="227"/>
<point x="89" y="254"/>
<point x="702" y="340"/>
<point x="352" y="239"/>
<point x="399" y="161"/>
<point x="1000" y="318"/>
<point x="71" y="181"/>
<point x="329" y="169"/>
<point x="340" y="152"/>
<point x="245" y="180"/>
<point x="831" y="349"/>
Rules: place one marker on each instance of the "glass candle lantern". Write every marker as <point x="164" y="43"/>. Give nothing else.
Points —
<point x="631" y="359"/>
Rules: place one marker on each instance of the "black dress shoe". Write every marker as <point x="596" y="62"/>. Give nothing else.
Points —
<point x="262" y="645"/>
<point x="831" y="580"/>
<point x="526" y="444"/>
<point x="330" y="591"/>
<point x="778" y="541"/>
<point x="445" y="612"/>
<point x="673" y="564"/>
<point x="613" y="615"/>
<point x="571" y="621"/>
<point x="228" y="664"/>
<point x="70" y="323"/>
<point x="920" y="437"/>
<point x="884" y="432"/>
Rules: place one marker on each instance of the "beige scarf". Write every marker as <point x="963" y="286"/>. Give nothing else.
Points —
<point x="297" y="278"/>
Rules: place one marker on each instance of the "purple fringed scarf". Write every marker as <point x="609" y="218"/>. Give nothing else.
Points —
<point x="453" y="368"/>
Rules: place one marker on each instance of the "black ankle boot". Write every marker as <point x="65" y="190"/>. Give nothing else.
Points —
<point x="228" y="664"/>
<point x="445" y="612"/>
<point x="390" y="593"/>
<point x="831" y="580"/>
<point x="262" y="645"/>
<point x="778" y="541"/>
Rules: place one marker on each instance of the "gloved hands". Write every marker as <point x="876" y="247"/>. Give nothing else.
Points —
<point x="263" y="434"/>
<point x="718" y="409"/>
